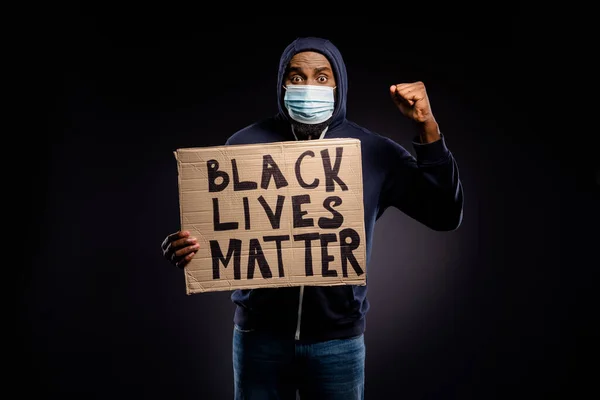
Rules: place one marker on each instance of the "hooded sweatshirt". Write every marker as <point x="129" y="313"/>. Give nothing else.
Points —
<point x="425" y="187"/>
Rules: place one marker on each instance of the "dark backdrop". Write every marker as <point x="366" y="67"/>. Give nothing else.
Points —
<point x="501" y="308"/>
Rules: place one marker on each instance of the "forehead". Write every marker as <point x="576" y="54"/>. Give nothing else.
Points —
<point x="309" y="59"/>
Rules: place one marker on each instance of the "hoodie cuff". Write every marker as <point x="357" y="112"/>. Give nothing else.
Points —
<point x="431" y="153"/>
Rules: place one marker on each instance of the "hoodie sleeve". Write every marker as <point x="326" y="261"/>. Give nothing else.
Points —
<point x="426" y="187"/>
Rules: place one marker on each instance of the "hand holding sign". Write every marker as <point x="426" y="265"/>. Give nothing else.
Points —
<point x="179" y="248"/>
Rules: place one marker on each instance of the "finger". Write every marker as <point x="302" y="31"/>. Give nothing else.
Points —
<point x="410" y="83"/>
<point x="173" y="247"/>
<point x="179" y="243"/>
<point x="181" y="253"/>
<point x="395" y="92"/>
<point x="402" y="86"/>
<point x="411" y="92"/>
<point x="398" y="98"/>
<point x="184" y="261"/>
<point x="173" y="236"/>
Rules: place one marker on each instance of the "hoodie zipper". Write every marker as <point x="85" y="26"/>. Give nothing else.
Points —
<point x="299" y="313"/>
<point x="298" y="322"/>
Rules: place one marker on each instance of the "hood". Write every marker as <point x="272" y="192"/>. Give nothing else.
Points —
<point x="334" y="56"/>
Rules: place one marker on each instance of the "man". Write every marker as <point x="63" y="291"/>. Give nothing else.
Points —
<point x="310" y="338"/>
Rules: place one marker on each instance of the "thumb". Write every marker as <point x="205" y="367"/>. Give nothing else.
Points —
<point x="394" y="94"/>
<point x="398" y="99"/>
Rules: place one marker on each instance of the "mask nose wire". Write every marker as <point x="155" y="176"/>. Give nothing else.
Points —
<point x="285" y="87"/>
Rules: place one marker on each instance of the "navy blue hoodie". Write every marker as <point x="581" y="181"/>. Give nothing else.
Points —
<point x="425" y="186"/>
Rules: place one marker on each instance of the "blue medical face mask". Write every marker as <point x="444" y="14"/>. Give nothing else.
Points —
<point x="309" y="104"/>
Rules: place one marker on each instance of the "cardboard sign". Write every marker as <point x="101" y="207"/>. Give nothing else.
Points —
<point x="273" y="215"/>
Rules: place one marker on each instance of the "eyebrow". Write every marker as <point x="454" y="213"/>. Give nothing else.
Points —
<point x="316" y="70"/>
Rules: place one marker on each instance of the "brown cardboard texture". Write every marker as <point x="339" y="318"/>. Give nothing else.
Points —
<point x="273" y="215"/>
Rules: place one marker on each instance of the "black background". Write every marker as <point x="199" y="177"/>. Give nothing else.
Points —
<point x="501" y="308"/>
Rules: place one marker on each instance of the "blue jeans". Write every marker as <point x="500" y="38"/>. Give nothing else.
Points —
<point x="266" y="367"/>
